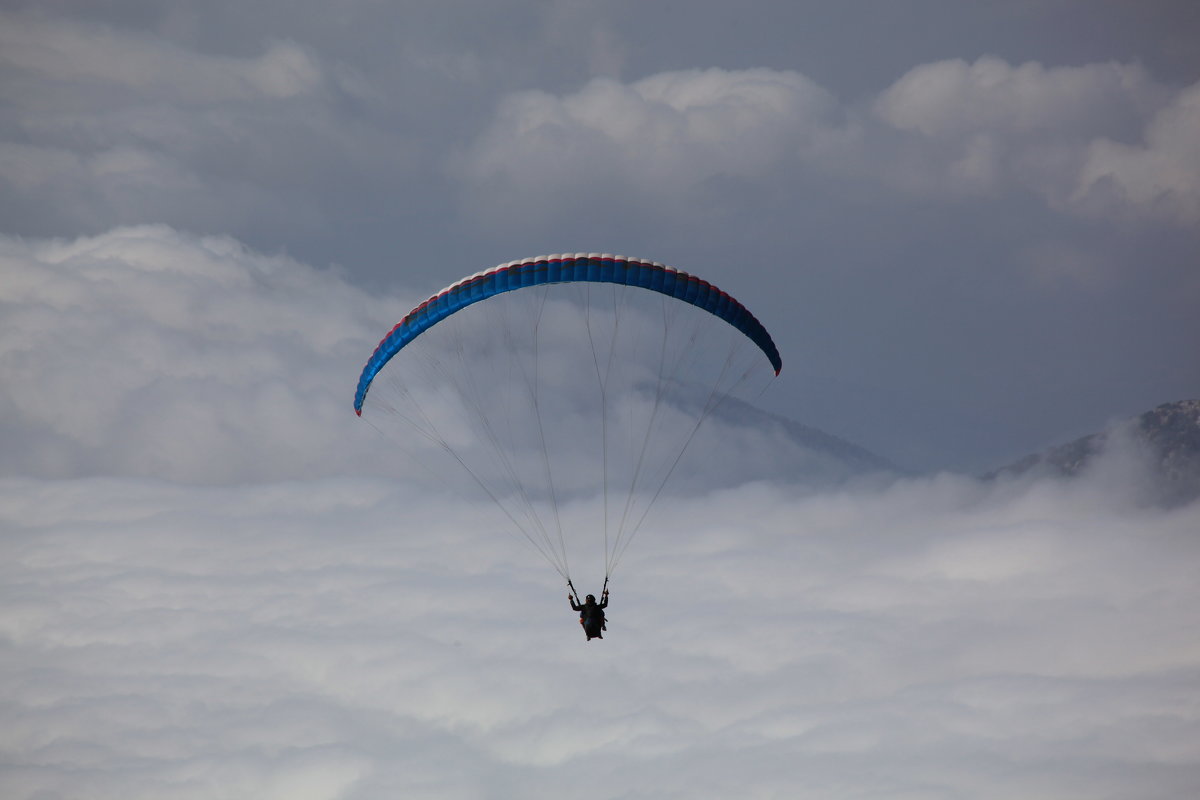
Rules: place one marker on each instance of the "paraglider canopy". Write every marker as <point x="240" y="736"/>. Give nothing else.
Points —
<point x="559" y="378"/>
<point x="593" y="268"/>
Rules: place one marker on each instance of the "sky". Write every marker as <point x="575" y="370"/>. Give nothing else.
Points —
<point x="970" y="228"/>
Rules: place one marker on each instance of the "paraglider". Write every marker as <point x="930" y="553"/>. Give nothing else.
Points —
<point x="591" y="614"/>
<point x="566" y="389"/>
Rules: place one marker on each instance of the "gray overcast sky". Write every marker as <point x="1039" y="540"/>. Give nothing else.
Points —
<point x="971" y="228"/>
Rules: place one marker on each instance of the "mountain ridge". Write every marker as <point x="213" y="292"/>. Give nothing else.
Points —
<point x="1166" y="439"/>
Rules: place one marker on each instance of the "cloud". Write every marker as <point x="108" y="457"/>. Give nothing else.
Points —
<point x="954" y="99"/>
<point x="1157" y="178"/>
<point x="658" y="135"/>
<point x="66" y="52"/>
<point x="1101" y="140"/>
<point x="947" y="130"/>
<point x="145" y="351"/>
<point x="358" y="639"/>
<point x="105" y="126"/>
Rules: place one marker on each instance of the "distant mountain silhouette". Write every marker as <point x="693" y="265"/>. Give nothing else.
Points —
<point x="757" y="445"/>
<point x="1166" y="440"/>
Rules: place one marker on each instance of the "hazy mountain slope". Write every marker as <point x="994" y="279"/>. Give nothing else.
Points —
<point x="758" y="445"/>
<point x="1163" y="442"/>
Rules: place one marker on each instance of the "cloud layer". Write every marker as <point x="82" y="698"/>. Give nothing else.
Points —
<point x="148" y="352"/>
<point x="338" y="639"/>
